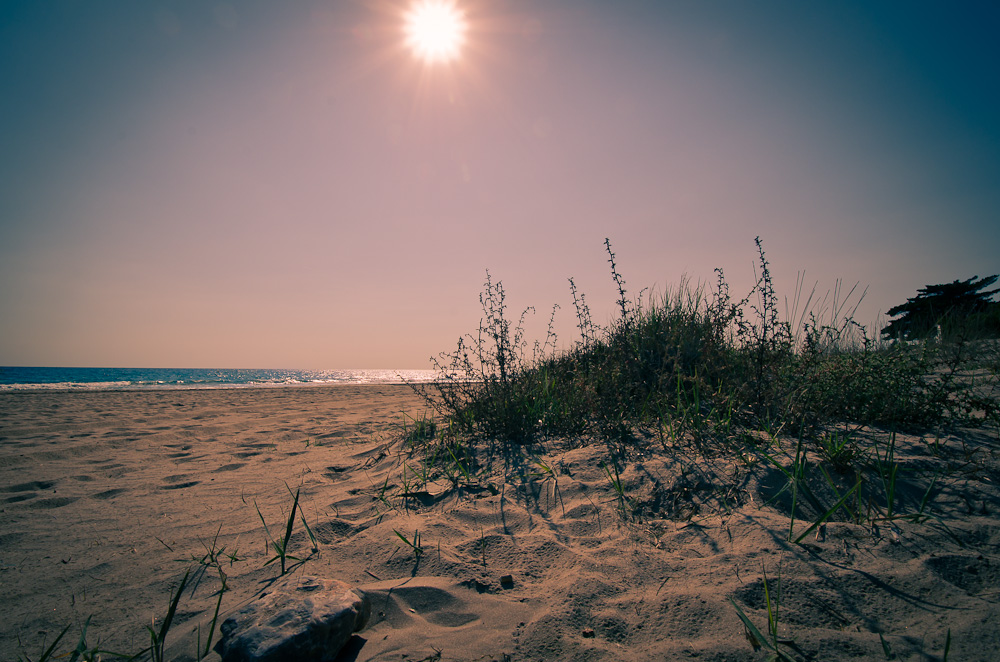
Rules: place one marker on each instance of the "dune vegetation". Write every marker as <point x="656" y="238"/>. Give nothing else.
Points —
<point x="701" y="365"/>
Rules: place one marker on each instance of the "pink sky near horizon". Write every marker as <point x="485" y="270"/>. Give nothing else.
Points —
<point x="248" y="185"/>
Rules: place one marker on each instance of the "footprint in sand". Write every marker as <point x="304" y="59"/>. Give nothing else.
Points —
<point x="972" y="574"/>
<point x="186" y="457"/>
<point x="180" y="486"/>
<point x="178" y="482"/>
<point x="108" y="494"/>
<point x="52" y="502"/>
<point x="30" y="487"/>
<point x="335" y="531"/>
<point x="434" y="605"/>
<point x="30" y="490"/>
<point x="337" y="472"/>
<point x="183" y="451"/>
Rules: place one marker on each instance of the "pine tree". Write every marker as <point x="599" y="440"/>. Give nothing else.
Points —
<point x="959" y="305"/>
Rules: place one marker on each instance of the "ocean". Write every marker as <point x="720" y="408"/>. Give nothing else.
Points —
<point x="127" y="379"/>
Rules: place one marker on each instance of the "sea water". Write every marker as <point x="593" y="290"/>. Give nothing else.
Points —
<point x="121" y="379"/>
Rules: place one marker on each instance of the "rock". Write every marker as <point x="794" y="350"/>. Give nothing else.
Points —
<point x="306" y="619"/>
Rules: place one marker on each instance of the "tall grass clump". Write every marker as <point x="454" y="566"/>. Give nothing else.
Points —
<point x="702" y="365"/>
<point x="490" y="384"/>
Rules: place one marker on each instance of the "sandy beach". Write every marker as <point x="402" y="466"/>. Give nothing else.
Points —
<point x="109" y="497"/>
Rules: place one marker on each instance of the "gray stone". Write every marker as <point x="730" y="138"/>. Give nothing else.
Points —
<point x="306" y="619"/>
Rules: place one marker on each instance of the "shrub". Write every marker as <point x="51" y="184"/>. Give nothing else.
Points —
<point x="701" y="364"/>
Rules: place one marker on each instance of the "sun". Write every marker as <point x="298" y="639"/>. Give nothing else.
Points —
<point x="435" y="30"/>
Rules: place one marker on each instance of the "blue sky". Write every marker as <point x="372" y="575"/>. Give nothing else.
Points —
<point x="253" y="184"/>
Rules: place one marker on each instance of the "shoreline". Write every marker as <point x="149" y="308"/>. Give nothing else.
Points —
<point x="32" y="388"/>
<point x="14" y="378"/>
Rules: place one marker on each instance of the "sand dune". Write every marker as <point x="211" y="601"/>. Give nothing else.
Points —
<point x="109" y="497"/>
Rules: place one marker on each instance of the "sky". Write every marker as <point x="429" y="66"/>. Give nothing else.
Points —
<point x="285" y="185"/>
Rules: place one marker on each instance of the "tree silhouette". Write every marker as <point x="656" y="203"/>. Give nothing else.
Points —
<point x="957" y="307"/>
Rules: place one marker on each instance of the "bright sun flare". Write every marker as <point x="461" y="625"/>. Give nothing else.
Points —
<point x="435" y="30"/>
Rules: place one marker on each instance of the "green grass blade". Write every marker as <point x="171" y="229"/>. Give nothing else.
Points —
<point x="750" y="626"/>
<point x="461" y="467"/>
<point x="47" y="653"/>
<point x="168" y="620"/>
<point x="833" y="486"/>
<point x="81" y="645"/>
<point x="828" y="513"/>
<point x="886" y="648"/>
<point x="215" y="616"/>
<point x="309" y="532"/>
<point x="927" y="495"/>
<point x="302" y="518"/>
<point x="772" y="616"/>
<point x="261" y="516"/>
<point x="291" y="520"/>
<point x="778" y="466"/>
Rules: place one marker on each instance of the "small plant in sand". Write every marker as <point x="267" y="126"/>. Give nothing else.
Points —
<point x="796" y="475"/>
<point x="158" y="636"/>
<point x="155" y="652"/>
<point x="83" y="652"/>
<point x="419" y="429"/>
<point x="280" y="547"/>
<point x="615" y="480"/>
<point x="382" y="497"/>
<point x="213" y="559"/>
<point x="203" y="651"/>
<point x="47" y="653"/>
<point x="548" y="475"/>
<point x="214" y="555"/>
<point x="771" y="641"/>
<point x="868" y="491"/>
<point x="413" y="543"/>
<point x="840" y="450"/>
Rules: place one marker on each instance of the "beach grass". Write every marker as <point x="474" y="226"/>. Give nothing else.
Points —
<point x="280" y="545"/>
<point x="771" y="640"/>
<point x="701" y="364"/>
<point x="697" y="367"/>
